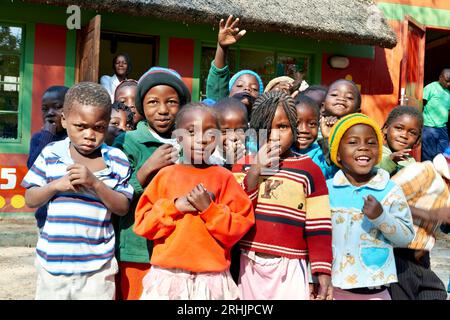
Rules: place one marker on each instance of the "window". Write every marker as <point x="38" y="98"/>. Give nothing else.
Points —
<point x="208" y="54"/>
<point x="268" y="64"/>
<point x="10" y="55"/>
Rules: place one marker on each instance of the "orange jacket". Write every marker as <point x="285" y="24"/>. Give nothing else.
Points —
<point x="193" y="241"/>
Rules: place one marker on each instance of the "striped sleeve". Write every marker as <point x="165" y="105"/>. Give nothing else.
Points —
<point x="36" y="176"/>
<point x="122" y="170"/>
<point x="318" y="223"/>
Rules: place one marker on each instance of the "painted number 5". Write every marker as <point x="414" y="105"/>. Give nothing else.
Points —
<point x="8" y="174"/>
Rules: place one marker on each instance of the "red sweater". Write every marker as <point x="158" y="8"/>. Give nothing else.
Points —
<point x="292" y="211"/>
<point x="193" y="241"/>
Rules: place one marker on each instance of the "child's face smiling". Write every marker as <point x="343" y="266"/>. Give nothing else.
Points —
<point x="246" y="83"/>
<point x="161" y="104"/>
<point x="358" y="153"/>
<point x="402" y="133"/>
<point x="281" y="131"/>
<point x="233" y="125"/>
<point x="308" y="126"/>
<point x="86" y="127"/>
<point x="52" y="105"/>
<point x="341" y="99"/>
<point x="197" y="146"/>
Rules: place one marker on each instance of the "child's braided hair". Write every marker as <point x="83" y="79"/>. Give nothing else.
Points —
<point x="265" y="107"/>
<point x="401" y="110"/>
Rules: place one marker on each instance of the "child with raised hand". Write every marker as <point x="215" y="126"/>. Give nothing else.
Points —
<point x="291" y="209"/>
<point x="121" y="121"/>
<point x="83" y="181"/>
<point x="233" y="122"/>
<point x="195" y="223"/>
<point x="51" y="106"/>
<point x="126" y="93"/>
<point x="308" y="114"/>
<point x="160" y="95"/>
<point x="342" y="98"/>
<point x="245" y="85"/>
<point x="370" y="214"/>
<point x="402" y="131"/>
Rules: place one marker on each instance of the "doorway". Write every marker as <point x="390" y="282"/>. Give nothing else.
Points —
<point x="142" y="50"/>
<point x="437" y="51"/>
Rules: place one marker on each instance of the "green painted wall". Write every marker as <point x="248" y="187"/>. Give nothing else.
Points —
<point x="424" y="15"/>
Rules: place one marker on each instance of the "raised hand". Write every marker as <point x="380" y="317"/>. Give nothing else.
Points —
<point x="164" y="156"/>
<point x="234" y="150"/>
<point x="400" y="155"/>
<point x="229" y="32"/>
<point x="372" y="208"/>
<point x="268" y="157"/>
<point x="326" y="123"/>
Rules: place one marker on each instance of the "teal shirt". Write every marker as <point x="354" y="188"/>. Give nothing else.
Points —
<point x="435" y="112"/>
<point x="138" y="146"/>
<point x="314" y="151"/>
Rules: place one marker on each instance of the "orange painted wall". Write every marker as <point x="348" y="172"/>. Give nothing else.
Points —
<point x="378" y="79"/>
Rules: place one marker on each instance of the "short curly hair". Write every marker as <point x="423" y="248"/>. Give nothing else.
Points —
<point x="87" y="93"/>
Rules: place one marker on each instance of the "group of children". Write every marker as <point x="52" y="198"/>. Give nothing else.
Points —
<point x="180" y="203"/>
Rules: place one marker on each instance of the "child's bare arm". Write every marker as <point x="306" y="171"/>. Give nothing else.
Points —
<point x="115" y="201"/>
<point x="228" y="35"/>
<point x="80" y="175"/>
<point x="439" y="215"/>
<point x="38" y="196"/>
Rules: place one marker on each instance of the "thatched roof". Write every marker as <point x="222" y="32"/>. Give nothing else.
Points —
<point x="351" y="21"/>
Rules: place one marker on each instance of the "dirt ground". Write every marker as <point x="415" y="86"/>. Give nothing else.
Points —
<point x="17" y="253"/>
<point x="17" y="273"/>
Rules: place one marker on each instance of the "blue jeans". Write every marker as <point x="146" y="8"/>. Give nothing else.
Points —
<point x="434" y="141"/>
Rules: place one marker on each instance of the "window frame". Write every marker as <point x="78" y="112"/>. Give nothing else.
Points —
<point x="21" y="144"/>
<point x="276" y="53"/>
<point x="20" y="83"/>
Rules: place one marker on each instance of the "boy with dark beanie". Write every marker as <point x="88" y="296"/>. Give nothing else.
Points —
<point x="160" y="94"/>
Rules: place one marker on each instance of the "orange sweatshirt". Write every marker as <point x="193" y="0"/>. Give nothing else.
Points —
<point x="193" y="241"/>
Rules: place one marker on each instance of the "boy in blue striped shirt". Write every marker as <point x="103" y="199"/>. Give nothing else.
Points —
<point x="82" y="181"/>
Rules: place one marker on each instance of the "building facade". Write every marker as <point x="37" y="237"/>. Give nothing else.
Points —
<point x="38" y="49"/>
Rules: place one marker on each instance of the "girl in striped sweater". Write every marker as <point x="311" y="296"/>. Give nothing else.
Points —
<point x="292" y="212"/>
